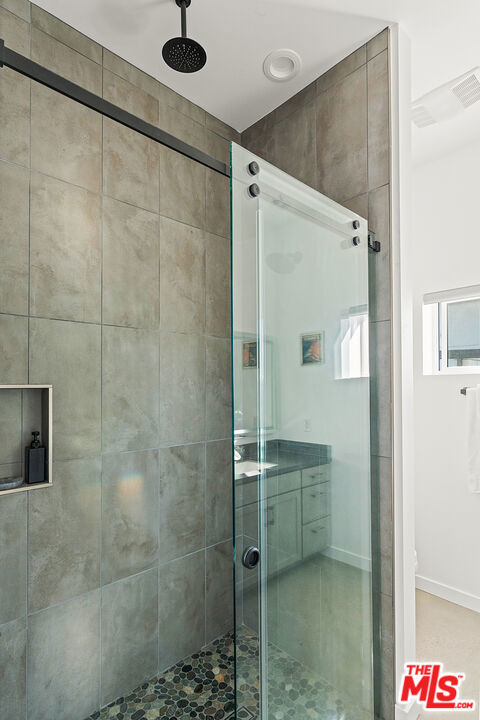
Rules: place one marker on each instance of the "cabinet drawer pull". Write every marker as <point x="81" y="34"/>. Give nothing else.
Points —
<point x="317" y="494"/>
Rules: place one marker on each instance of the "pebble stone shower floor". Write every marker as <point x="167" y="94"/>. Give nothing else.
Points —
<point x="202" y="687"/>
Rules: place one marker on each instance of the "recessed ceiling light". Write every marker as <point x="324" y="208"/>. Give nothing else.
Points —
<point x="282" y="65"/>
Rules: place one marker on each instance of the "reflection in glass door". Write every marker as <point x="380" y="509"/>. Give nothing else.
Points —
<point x="302" y="450"/>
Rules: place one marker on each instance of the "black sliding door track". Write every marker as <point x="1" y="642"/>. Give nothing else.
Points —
<point x="25" y="66"/>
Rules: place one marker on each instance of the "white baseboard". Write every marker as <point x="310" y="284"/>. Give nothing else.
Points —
<point x="349" y="558"/>
<point x="459" y="597"/>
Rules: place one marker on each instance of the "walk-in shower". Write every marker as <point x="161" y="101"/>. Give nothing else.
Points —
<point x="302" y="449"/>
<point x="194" y="556"/>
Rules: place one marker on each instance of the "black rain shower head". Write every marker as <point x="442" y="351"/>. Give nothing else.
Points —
<point x="182" y="53"/>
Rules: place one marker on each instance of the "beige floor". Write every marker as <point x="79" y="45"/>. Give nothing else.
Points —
<point x="450" y="634"/>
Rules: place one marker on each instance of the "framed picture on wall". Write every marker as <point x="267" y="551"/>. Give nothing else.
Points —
<point x="312" y="348"/>
<point x="250" y="354"/>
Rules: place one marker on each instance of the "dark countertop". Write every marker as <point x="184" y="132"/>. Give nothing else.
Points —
<point x="288" y="456"/>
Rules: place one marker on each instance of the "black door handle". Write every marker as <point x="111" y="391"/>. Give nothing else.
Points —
<point x="250" y="557"/>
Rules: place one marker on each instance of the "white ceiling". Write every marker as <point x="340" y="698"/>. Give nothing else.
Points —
<point x="238" y="34"/>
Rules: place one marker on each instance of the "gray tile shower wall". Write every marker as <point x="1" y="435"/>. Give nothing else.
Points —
<point x="114" y="287"/>
<point x="335" y="136"/>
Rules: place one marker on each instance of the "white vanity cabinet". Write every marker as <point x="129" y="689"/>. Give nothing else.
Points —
<point x="297" y="516"/>
<point x="316" y="504"/>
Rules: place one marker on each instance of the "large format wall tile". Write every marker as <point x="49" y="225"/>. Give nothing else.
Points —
<point x="217" y="219"/>
<point x="66" y="62"/>
<point x="342" y="69"/>
<point x="217" y="147"/>
<point x="290" y="106"/>
<point x="67" y="356"/>
<point x="129" y="634"/>
<point x="13" y="653"/>
<point x="13" y="557"/>
<point x="359" y="205"/>
<point x="219" y="598"/>
<point x="14" y="93"/>
<point x="14" y="233"/>
<point x="129" y="72"/>
<point x="295" y="143"/>
<point x="181" y="606"/>
<point x="15" y="32"/>
<point x="218" y="389"/>
<point x="64" y="534"/>
<point x="182" y="277"/>
<point x="180" y="103"/>
<point x="182" y="388"/>
<point x="130" y="166"/>
<point x="11" y="450"/>
<point x="66" y="34"/>
<point x="220" y="128"/>
<point x="66" y="139"/>
<point x="129" y="389"/>
<point x="182" y="500"/>
<point x="63" y="664"/>
<point x="217" y="284"/>
<point x="382" y="535"/>
<point x="122" y="93"/>
<point x="377" y="44"/>
<point x="14" y="117"/>
<point x="342" y="137"/>
<point x="130" y="252"/>
<point x="378" y="121"/>
<point x="380" y="389"/>
<point x="18" y="7"/>
<point x="65" y="251"/>
<point x="130" y="492"/>
<point x="379" y="263"/>
<point x="182" y="126"/>
<point x="13" y="350"/>
<point x="182" y="188"/>
<point x="219" y="482"/>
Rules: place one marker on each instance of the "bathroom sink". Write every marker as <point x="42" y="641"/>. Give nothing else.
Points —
<point x="249" y="468"/>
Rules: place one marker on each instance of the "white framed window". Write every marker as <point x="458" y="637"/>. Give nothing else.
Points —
<point x="451" y="331"/>
<point x="351" y="352"/>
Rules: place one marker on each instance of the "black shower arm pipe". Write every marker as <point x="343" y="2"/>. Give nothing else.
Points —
<point x="183" y="8"/>
<point x="34" y="71"/>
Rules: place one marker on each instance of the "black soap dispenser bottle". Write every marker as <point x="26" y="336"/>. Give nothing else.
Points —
<point x="35" y="461"/>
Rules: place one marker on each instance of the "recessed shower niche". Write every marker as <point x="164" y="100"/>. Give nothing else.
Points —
<point x="25" y="422"/>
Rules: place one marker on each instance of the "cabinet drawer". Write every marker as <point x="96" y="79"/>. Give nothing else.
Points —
<point x="279" y="484"/>
<point x="315" y="502"/>
<point x="316" y="537"/>
<point x="318" y="474"/>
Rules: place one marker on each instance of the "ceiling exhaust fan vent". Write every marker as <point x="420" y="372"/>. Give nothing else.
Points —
<point x="468" y="91"/>
<point x="421" y="117"/>
<point x="448" y="100"/>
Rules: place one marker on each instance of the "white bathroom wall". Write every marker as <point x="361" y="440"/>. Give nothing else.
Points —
<point x="446" y="231"/>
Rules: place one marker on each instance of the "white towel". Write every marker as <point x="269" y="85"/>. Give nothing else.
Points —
<point x="473" y="438"/>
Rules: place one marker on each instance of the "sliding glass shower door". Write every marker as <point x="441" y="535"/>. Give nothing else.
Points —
<point x="302" y="450"/>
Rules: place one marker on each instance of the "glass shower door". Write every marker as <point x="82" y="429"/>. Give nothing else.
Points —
<point x="302" y="450"/>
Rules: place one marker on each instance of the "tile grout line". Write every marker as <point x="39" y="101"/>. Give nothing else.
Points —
<point x="159" y="405"/>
